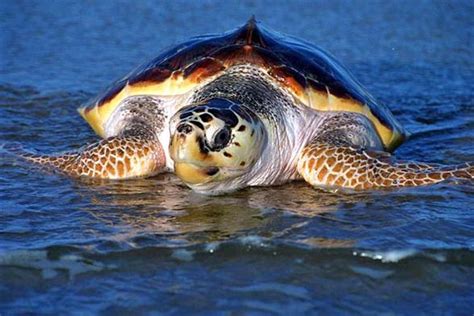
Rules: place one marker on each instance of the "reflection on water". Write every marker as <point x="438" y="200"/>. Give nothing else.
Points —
<point x="164" y="206"/>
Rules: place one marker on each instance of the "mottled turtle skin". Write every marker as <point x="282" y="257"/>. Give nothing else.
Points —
<point x="248" y="107"/>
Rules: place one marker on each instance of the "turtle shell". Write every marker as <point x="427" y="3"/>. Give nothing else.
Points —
<point x="310" y="74"/>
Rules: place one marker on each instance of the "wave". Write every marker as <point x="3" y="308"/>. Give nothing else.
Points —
<point x="373" y="263"/>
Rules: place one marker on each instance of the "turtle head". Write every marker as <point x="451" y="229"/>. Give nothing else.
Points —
<point x="215" y="144"/>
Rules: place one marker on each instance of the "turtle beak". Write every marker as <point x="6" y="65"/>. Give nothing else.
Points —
<point x="189" y="151"/>
<point x="193" y="174"/>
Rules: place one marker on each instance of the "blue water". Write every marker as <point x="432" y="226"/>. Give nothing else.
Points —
<point x="152" y="246"/>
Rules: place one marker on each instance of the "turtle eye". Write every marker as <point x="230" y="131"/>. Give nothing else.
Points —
<point x="221" y="139"/>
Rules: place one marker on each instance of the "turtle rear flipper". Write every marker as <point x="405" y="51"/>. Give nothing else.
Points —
<point x="112" y="158"/>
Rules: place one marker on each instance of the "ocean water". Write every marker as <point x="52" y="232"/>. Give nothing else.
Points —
<point x="152" y="246"/>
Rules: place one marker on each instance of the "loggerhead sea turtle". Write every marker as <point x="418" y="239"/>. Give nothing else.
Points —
<point x="245" y="108"/>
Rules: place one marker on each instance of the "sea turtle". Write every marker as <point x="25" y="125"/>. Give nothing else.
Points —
<point x="249" y="107"/>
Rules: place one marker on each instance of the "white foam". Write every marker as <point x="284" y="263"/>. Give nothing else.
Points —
<point x="253" y="240"/>
<point x="38" y="259"/>
<point x="212" y="247"/>
<point x="387" y="256"/>
<point x="436" y="256"/>
<point x="183" y="255"/>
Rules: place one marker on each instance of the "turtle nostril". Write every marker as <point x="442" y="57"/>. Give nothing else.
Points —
<point x="185" y="128"/>
<point x="212" y="171"/>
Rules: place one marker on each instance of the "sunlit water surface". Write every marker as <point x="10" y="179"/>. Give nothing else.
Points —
<point x="153" y="245"/>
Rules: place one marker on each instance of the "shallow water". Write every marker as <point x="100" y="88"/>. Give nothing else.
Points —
<point x="153" y="245"/>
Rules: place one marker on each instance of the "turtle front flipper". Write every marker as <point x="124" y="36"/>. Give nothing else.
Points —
<point x="119" y="157"/>
<point x="347" y="154"/>
<point x="330" y="166"/>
